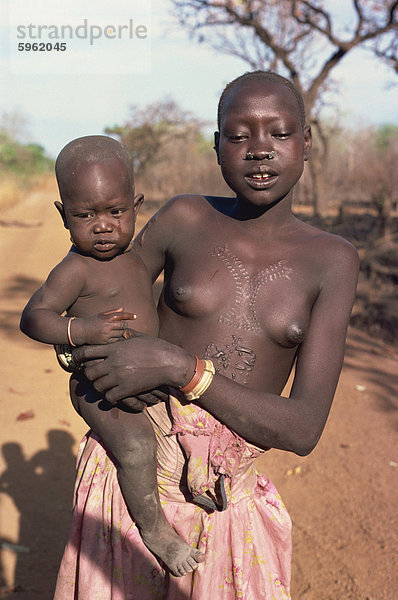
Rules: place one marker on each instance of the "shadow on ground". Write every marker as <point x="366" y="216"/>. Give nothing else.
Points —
<point x="375" y="371"/>
<point x="41" y="490"/>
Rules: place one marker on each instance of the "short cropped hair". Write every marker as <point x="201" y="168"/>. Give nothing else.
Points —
<point x="261" y="76"/>
<point x="90" y="148"/>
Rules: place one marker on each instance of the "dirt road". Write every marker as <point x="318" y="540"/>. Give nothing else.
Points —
<point x="343" y="497"/>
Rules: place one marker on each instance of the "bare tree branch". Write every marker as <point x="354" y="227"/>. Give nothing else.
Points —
<point x="299" y="38"/>
<point x="306" y="18"/>
<point x="288" y="30"/>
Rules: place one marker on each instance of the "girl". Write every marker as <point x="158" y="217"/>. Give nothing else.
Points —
<point x="256" y="291"/>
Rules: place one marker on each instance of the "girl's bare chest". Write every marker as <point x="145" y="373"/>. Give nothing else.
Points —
<point x="263" y="292"/>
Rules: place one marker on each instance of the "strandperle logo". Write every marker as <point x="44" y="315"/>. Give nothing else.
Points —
<point x="64" y="37"/>
<point x="84" y="31"/>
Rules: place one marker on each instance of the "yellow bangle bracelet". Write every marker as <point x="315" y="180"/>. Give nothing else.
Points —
<point x="203" y="383"/>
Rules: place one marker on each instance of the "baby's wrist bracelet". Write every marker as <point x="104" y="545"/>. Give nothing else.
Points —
<point x="68" y="332"/>
<point x="201" y="380"/>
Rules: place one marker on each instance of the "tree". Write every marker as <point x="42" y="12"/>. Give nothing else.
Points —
<point x="383" y="185"/>
<point x="149" y="129"/>
<point x="22" y="159"/>
<point x="362" y="170"/>
<point x="301" y="39"/>
<point x="169" y="151"/>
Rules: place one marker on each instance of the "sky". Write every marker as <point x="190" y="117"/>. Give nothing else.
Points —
<point x="133" y="52"/>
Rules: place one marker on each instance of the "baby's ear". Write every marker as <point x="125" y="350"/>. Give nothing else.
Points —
<point x="216" y="144"/>
<point x="138" y="200"/>
<point x="60" y="208"/>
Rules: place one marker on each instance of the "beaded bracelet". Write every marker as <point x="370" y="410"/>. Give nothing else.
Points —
<point x="201" y="380"/>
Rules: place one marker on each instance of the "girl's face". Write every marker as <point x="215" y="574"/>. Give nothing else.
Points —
<point x="260" y="117"/>
<point x="100" y="210"/>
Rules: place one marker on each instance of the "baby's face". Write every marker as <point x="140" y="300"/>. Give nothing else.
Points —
<point x="99" y="209"/>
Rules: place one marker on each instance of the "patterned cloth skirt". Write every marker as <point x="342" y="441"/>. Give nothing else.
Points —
<point x="246" y="541"/>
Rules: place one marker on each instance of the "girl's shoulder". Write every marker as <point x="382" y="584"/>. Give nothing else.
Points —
<point x="186" y="205"/>
<point x="192" y="210"/>
<point x="330" y="250"/>
<point x="177" y="215"/>
<point x="324" y="239"/>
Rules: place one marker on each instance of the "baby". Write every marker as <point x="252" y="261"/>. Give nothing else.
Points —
<point x="102" y="285"/>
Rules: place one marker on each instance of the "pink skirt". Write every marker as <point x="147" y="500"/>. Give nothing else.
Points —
<point x="247" y="547"/>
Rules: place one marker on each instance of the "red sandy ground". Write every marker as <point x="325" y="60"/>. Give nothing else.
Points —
<point x="342" y="498"/>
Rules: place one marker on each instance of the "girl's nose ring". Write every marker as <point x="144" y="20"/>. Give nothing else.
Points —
<point x="267" y="155"/>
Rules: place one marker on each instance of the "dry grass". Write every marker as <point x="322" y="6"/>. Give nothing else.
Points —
<point x="14" y="189"/>
<point x="11" y="192"/>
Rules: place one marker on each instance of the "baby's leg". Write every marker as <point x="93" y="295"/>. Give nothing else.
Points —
<point x="131" y="440"/>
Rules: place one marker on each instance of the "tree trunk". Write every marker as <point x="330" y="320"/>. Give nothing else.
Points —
<point x="385" y="215"/>
<point x="315" y="190"/>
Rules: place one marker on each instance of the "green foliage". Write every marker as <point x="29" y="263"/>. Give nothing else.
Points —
<point x="22" y="159"/>
<point x="385" y="135"/>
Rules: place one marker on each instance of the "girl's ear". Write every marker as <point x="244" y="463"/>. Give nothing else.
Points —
<point x="307" y="142"/>
<point x="216" y="144"/>
<point x="60" y="208"/>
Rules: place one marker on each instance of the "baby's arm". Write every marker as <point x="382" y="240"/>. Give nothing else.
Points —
<point x="42" y="320"/>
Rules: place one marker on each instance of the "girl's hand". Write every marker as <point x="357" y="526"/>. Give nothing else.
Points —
<point x="141" y="401"/>
<point x="135" y="366"/>
<point x="103" y="328"/>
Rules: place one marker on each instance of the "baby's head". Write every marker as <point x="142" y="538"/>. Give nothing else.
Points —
<point x="96" y="184"/>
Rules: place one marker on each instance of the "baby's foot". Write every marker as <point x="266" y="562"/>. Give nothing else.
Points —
<point x="177" y="555"/>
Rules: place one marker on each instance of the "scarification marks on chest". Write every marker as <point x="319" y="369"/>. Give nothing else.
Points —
<point x="243" y="314"/>
<point x="234" y="359"/>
